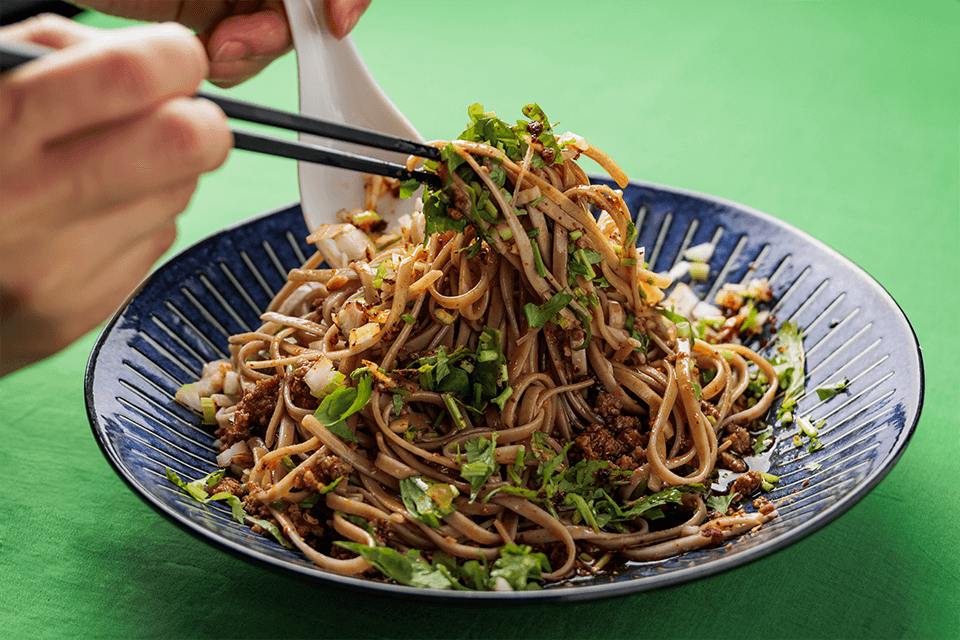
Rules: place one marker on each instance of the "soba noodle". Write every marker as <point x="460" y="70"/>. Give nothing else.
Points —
<point x="497" y="376"/>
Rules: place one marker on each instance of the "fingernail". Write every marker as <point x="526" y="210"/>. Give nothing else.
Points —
<point x="232" y="50"/>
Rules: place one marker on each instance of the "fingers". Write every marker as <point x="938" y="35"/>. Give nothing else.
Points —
<point x="241" y="46"/>
<point x="99" y="81"/>
<point x="30" y="333"/>
<point x="103" y="168"/>
<point x="76" y="277"/>
<point x="46" y="260"/>
<point x="343" y="15"/>
<point x="48" y="30"/>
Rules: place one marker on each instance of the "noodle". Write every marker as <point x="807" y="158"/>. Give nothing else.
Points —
<point x="496" y="376"/>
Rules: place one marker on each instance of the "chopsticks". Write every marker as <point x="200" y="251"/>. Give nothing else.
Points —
<point x="13" y="54"/>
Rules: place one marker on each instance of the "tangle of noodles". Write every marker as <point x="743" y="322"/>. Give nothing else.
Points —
<point x="499" y="371"/>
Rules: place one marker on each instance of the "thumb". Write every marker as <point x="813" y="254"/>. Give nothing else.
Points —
<point x="240" y="46"/>
<point x="343" y="15"/>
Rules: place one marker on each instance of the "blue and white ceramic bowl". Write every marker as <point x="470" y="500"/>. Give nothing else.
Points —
<point x="182" y="315"/>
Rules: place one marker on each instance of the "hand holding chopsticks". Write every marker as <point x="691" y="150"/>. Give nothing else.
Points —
<point x="13" y="54"/>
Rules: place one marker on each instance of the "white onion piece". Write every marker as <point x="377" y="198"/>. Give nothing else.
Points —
<point x="396" y="226"/>
<point x="352" y="315"/>
<point x="225" y="457"/>
<point x="322" y="376"/>
<point x="678" y="270"/>
<point x="417" y="226"/>
<point x="705" y="310"/>
<point x="683" y="299"/>
<point x="188" y="396"/>
<point x="341" y="244"/>
<point x="574" y="140"/>
<point x="211" y="378"/>
<point x="364" y="333"/>
<point x="700" y="252"/>
<point x="231" y="383"/>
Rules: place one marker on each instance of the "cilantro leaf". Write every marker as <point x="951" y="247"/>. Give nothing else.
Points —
<point x="336" y="407"/>
<point x="475" y="378"/>
<point x="675" y="318"/>
<point x="197" y="490"/>
<point x="480" y="464"/>
<point x="517" y="566"/>
<point x="409" y="568"/>
<point x="789" y="362"/>
<point x="825" y="393"/>
<point x="427" y="500"/>
<point x="537" y="316"/>
<point x="639" y="508"/>
<point x="721" y="503"/>
<point x="761" y="442"/>
<point x="409" y="187"/>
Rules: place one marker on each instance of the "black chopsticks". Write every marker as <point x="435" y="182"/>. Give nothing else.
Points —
<point x="13" y="54"/>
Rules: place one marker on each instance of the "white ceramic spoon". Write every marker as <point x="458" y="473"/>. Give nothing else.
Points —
<point x="336" y="85"/>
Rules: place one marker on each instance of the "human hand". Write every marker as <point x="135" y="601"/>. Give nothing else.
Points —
<point x="241" y="38"/>
<point x="102" y="148"/>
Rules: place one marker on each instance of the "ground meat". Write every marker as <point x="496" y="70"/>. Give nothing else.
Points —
<point x="715" y="535"/>
<point x="726" y="460"/>
<point x="747" y="483"/>
<point x="253" y="413"/>
<point x="763" y="505"/>
<point x="739" y="442"/>
<point x="329" y="468"/>
<point x="618" y="441"/>
<point x="230" y="485"/>
<point x="304" y="523"/>
<point x="300" y="391"/>
<point x="607" y="406"/>
<point x="256" y="508"/>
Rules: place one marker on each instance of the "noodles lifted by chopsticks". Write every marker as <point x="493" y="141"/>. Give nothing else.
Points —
<point x="496" y="382"/>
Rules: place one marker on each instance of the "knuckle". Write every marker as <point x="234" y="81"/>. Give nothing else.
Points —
<point x="177" y="198"/>
<point x="195" y="134"/>
<point x="174" y="50"/>
<point x="161" y="241"/>
<point x="45" y="23"/>
<point x="84" y="188"/>
<point x="126" y="74"/>
<point x="12" y="109"/>
<point x="189" y="52"/>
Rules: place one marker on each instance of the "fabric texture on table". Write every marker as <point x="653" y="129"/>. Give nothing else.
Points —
<point x="838" y="117"/>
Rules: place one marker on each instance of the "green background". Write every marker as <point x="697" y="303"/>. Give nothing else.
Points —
<point x="839" y="117"/>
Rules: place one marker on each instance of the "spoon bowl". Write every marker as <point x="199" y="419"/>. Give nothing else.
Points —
<point x="336" y="85"/>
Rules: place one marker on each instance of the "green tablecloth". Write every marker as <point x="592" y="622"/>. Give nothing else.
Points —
<point x="838" y="117"/>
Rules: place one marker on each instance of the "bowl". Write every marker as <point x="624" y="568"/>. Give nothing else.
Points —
<point x="182" y="315"/>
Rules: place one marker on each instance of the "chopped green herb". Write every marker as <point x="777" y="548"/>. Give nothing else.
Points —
<point x="721" y="503"/>
<point x="197" y="490"/>
<point x="789" y="362"/>
<point x="427" y="500"/>
<point x="335" y="408"/>
<point x="397" y="404"/>
<point x="409" y="187"/>
<point x="761" y="442"/>
<point x="480" y="464"/>
<point x="825" y="393"/>
<point x="675" y="318"/>
<point x="537" y="316"/>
